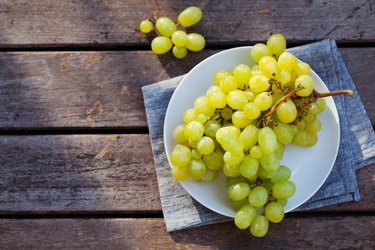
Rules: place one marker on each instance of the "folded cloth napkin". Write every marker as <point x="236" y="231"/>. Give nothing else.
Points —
<point x="356" y="150"/>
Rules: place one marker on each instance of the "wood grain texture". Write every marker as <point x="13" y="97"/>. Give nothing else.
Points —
<point x="103" y="89"/>
<point x="75" y="173"/>
<point x="58" y="23"/>
<point x="294" y="233"/>
<point x="70" y="174"/>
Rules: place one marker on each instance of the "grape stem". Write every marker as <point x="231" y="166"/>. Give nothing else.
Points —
<point x="158" y="8"/>
<point x="348" y="92"/>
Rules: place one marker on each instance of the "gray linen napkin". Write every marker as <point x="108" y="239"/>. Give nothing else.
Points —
<point x="357" y="145"/>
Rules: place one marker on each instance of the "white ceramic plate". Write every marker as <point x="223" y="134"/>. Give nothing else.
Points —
<point x="310" y="166"/>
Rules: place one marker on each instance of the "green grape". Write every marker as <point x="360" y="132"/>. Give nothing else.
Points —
<point x="270" y="162"/>
<point x="259" y="226"/>
<point x="251" y="110"/>
<point x="210" y="175"/>
<point x="193" y="130"/>
<point x="255" y="70"/>
<point x="313" y="139"/>
<point x="161" y="45"/>
<point x="196" y="169"/>
<point x="260" y="50"/>
<point x="282" y="174"/>
<point x="249" y="167"/>
<point x="195" y="154"/>
<point x="274" y="212"/>
<point x="279" y="151"/>
<point x="227" y="131"/>
<point x="190" y="115"/>
<point x="263" y="101"/>
<point x="301" y="138"/>
<point x="293" y="77"/>
<point x="212" y="89"/>
<point x="214" y="160"/>
<point x="286" y="111"/>
<point x="242" y="74"/>
<point x="193" y="144"/>
<point x="302" y="68"/>
<point x="233" y="180"/>
<point x="314" y="108"/>
<point x="294" y="128"/>
<point x="267" y="184"/>
<point x="309" y="118"/>
<point x="211" y="127"/>
<point x="231" y="171"/>
<point x="250" y="95"/>
<point x="190" y="16"/>
<point x="202" y="106"/>
<point x="267" y="140"/>
<point x="240" y="120"/>
<point x="283" y="190"/>
<point x="218" y="76"/>
<point x="305" y="82"/>
<point x="314" y="127"/>
<point x="180" y="173"/>
<point x="277" y="44"/>
<point x="282" y="202"/>
<point x="238" y="191"/>
<point x="284" y="77"/>
<point x="268" y="66"/>
<point x="321" y="104"/>
<point x="237" y="205"/>
<point x="165" y="26"/>
<point x="233" y="159"/>
<point x="217" y="99"/>
<point x="256" y="152"/>
<point x="249" y="136"/>
<point x="195" y="42"/>
<point x="179" y="52"/>
<point x="284" y="132"/>
<point x="202" y="118"/>
<point x="179" y="38"/>
<point x="232" y="144"/>
<point x="145" y="26"/>
<point x="180" y="156"/>
<point x="228" y="83"/>
<point x="205" y="145"/>
<point x="237" y="99"/>
<point x="178" y="134"/>
<point x="287" y="61"/>
<point x="226" y="113"/>
<point x="245" y="216"/>
<point x="258" y="196"/>
<point x="259" y="83"/>
<point x="300" y="124"/>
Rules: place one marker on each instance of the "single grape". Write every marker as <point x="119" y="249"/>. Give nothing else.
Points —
<point x="284" y="77"/>
<point x="195" y="154"/>
<point x="237" y="99"/>
<point x="249" y="167"/>
<point x="180" y="173"/>
<point x="313" y="139"/>
<point x="283" y="190"/>
<point x="212" y="89"/>
<point x="226" y="113"/>
<point x="190" y="16"/>
<point x="321" y="104"/>
<point x="227" y="131"/>
<point x="178" y="134"/>
<point x="249" y="136"/>
<point x="165" y="26"/>
<point x="251" y="110"/>
<point x="231" y="171"/>
<point x="267" y="140"/>
<point x="179" y="38"/>
<point x="193" y="130"/>
<point x="260" y="50"/>
<point x="145" y="26"/>
<point x="274" y="212"/>
<point x="232" y="144"/>
<point x="283" y="174"/>
<point x="193" y="144"/>
<point x="258" y="196"/>
<point x="314" y="127"/>
<point x="242" y="74"/>
<point x="301" y="138"/>
<point x="259" y="226"/>
<point x="245" y="216"/>
<point x="228" y="84"/>
<point x="214" y="160"/>
<point x="238" y="191"/>
<point x="233" y="159"/>
<point x="217" y="99"/>
<point x="218" y="76"/>
<point x="256" y="152"/>
<point x="263" y="101"/>
<point x="190" y="115"/>
<point x="302" y="68"/>
<point x="179" y="52"/>
<point x="195" y="42"/>
<point x="205" y="145"/>
<point x="306" y="83"/>
<point x="268" y="66"/>
<point x="161" y="45"/>
<point x="202" y="106"/>
<point x="259" y="83"/>
<point x="202" y="118"/>
<point x="240" y="120"/>
<point x="250" y="95"/>
<point x="287" y="61"/>
<point x="211" y="127"/>
<point x="286" y="111"/>
<point x="180" y="156"/>
<point x="270" y="162"/>
<point x="284" y="132"/>
<point x="196" y="169"/>
<point x="277" y="44"/>
<point x="210" y="175"/>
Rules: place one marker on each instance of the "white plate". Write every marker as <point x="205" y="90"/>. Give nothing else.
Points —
<point x="310" y="166"/>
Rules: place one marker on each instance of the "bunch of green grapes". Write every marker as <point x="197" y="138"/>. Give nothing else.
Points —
<point x="170" y="37"/>
<point x="241" y="126"/>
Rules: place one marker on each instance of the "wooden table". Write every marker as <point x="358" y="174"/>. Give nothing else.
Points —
<point x="76" y="163"/>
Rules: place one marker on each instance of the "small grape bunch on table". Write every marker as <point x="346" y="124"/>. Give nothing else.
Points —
<point x="171" y="37"/>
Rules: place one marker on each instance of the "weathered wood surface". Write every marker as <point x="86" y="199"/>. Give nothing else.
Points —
<point x="70" y="174"/>
<point x="103" y="89"/>
<point x="295" y="233"/>
<point x="115" y="22"/>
